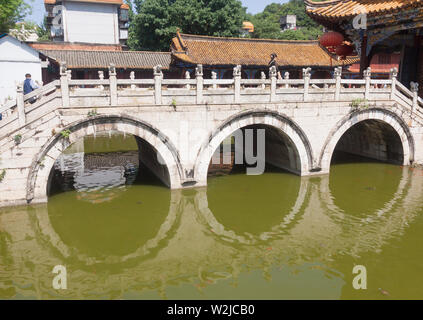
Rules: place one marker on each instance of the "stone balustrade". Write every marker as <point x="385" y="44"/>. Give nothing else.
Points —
<point x="159" y="91"/>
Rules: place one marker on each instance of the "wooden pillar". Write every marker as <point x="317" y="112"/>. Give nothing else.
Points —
<point x="364" y="61"/>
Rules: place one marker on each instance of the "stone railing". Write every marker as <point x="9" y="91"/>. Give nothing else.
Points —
<point x="174" y="92"/>
<point x="24" y="104"/>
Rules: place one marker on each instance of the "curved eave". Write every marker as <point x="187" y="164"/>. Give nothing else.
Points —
<point x="337" y="10"/>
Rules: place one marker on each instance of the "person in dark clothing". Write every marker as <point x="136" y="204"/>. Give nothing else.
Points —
<point x="29" y="86"/>
<point x="273" y="62"/>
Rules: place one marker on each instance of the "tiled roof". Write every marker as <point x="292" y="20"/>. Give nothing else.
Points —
<point x="77" y="59"/>
<point x="49" y="45"/>
<point x="338" y="9"/>
<point x="254" y="52"/>
<point x="96" y="1"/>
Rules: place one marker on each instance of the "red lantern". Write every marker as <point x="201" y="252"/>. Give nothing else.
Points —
<point x="331" y="39"/>
<point x="344" y="50"/>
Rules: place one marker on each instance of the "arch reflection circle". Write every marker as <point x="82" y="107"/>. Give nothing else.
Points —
<point x="243" y="209"/>
<point x="113" y="209"/>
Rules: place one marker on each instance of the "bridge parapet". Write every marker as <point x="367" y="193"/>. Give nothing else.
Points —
<point x="113" y="92"/>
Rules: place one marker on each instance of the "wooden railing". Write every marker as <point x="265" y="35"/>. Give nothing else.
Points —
<point x="158" y="91"/>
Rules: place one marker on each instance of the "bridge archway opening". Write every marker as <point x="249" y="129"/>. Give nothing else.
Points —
<point x="369" y="140"/>
<point x="165" y="164"/>
<point x="255" y="149"/>
<point x="104" y="161"/>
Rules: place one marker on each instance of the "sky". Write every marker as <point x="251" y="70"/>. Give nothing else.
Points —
<point x="254" y="6"/>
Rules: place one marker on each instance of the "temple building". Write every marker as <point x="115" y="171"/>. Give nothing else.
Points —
<point x="221" y="55"/>
<point x="380" y="63"/>
<point x="388" y="27"/>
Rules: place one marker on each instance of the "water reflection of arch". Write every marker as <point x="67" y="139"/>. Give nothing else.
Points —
<point x="327" y="198"/>
<point x="372" y="232"/>
<point x="325" y="231"/>
<point x="207" y="216"/>
<point x="46" y="229"/>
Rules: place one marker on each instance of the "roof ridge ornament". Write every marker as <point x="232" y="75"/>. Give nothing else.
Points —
<point x="181" y="40"/>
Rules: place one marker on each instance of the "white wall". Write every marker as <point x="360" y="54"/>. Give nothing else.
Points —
<point x="16" y="60"/>
<point x="91" y="22"/>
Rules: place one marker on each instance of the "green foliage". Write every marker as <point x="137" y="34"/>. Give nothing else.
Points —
<point x="156" y="21"/>
<point x="92" y="113"/>
<point x="18" y="139"/>
<point x="41" y="162"/>
<point x="266" y="24"/>
<point x="2" y="175"/>
<point x="12" y="11"/>
<point x="65" y="133"/>
<point x="43" y="31"/>
<point x="360" y="103"/>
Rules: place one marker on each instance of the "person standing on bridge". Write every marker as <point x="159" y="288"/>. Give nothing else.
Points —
<point x="273" y="62"/>
<point x="29" y="86"/>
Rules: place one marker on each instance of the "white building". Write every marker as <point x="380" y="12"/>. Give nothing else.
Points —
<point x="288" y="22"/>
<point x="89" y="21"/>
<point x="16" y="60"/>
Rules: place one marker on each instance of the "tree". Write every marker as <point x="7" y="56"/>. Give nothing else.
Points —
<point x="12" y="11"/>
<point x="43" y="31"/>
<point x="156" y="21"/>
<point x="266" y="23"/>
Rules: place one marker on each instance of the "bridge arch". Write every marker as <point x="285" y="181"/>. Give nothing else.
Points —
<point x="383" y="116"/>
<point x="43" y="162"/>
<point x="268" y="118"/>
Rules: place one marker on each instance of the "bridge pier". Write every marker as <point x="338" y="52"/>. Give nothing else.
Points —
<point x="149" y="158"/>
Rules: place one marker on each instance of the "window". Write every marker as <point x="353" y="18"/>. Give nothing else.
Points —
<point x="123" y="16"/>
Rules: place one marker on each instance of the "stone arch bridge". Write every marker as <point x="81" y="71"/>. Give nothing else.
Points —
<point x="184" y="121"/>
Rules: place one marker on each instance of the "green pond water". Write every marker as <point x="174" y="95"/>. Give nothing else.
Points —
<point x="123" y="235"/>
